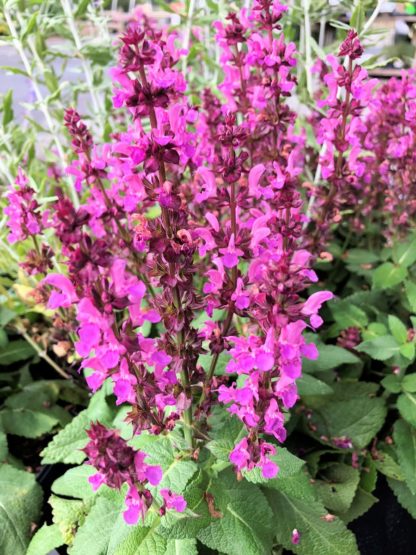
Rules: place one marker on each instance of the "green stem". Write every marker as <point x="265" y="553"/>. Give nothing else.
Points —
<point x="43" y="354"/>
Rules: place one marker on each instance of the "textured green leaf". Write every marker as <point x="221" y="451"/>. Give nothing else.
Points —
<point x="356" y="419"/>
<point x="363" y="501"/>
<point x="337" y="486"/>
<point x="406" y="404"/>
<point x="74" y="483"/>
<point x="142" y="541"/>
<point x="187" y="525"/>
<point x="388" y="466"/>
<point x="20" y="504"/>
<point x="246" y="522"/>
<point x="405" y="440"/>
<point x="289" y="465"/>
<point x="388" y="275"/>
<point x="295" y="507"/>
<point x="15" y="351"/>
<point x="330" y="356"/>
<point x="308" y="385"/>
<point x="176" y="471"/>
<point x="380" y="348"/>
<point x="66" y="446"/>
<point x="45" y="540"/>
<point x="94" y="534"/>
<point x="404" y="496"/>
<point x="181" y="547"/>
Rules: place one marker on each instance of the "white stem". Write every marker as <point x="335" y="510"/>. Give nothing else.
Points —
<point x="316" y="181"/>
<point x="96" y="100"/>
<point x="39" y="97"/>
<point x="373" y="17"/>
<point x="307" y="38"/>
<point x="187" y="33"/>
<point x="322" y="26"/>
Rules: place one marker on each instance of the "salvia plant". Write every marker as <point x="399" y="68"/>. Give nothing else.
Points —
<point x="187" y="282"/>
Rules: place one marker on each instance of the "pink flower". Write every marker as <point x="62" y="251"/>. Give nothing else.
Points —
<point x="173" y="500"/>
<point x="64" y="294"/>
<point x="231" y="254"/>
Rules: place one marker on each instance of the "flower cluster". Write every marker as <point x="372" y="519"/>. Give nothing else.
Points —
<point x="117" y="464"/>
<point x="339" y="133"/>
<point x="190" y="213"/>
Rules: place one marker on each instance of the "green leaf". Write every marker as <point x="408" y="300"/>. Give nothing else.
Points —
<point x="356" y="419"/>
<point x="65" y="446"/>
<point x="361" y="256"/>
<point x="358" y="17"/>
<point x="392" y="383"/>
<point x="20" y="504"/>
<point x="348" y="315"/>
<point x="196" y="517"/>
<point x="14" y="70"/>
<point x="408" y="350"/>
<point x="404" y="253"/>
<point x="82" y="8"/>
<point x="337" y="486"/>
<point x="244" y="527"/>
<point x="380" y="348"/>
<point x="46" y="539"/>
<point x="375" y="329"/>
<point x="388" y="275"/>
<point x="74" y="483"/>
<point x="94" y="534"/>
<point x="409" y="383"/>
<point x="295" y="507"/>
<point x="406" y="405"/>
<point x="363" y="501"/>
<point x="142" y="541"/>
<point x="410" y="287"/>
<point x="181" y="547"/>
<point x="289" y="465"/>
<point x="330" y="356"/>
<point x="29" y="423"/>
<point x="30" y="26"/>
<point x="4" y="449"/>
<point x="308" y="385"/>
<point x="398" y="329"/>
<point x="404" y="496"/>
<point x="176" y="471"/>
<point x="405" y="439"/>
<point x="388" y="466"/>
<point x="16" y="351"/>
<point x="8" y="116"/>
<point x="223" y="359"/>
